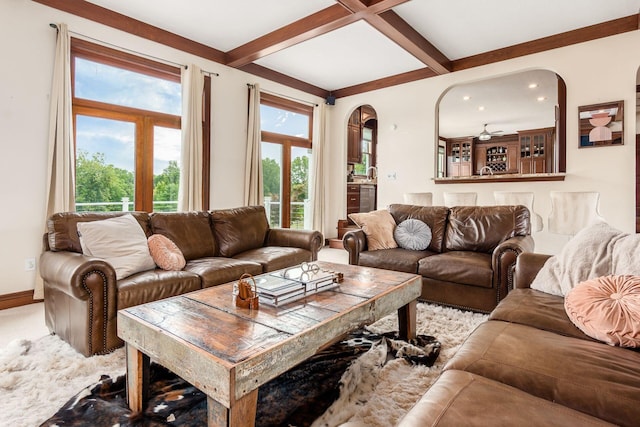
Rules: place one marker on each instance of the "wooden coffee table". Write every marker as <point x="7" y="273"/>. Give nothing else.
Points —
<point x="229" y="352"/>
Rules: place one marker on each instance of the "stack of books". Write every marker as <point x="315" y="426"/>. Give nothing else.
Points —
<point x="276" y="291"/>
<point x="290" y="284"/>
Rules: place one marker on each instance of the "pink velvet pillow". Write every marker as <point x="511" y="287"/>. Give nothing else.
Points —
<point x="607" y="309"/>
<point x="165" y="253"/>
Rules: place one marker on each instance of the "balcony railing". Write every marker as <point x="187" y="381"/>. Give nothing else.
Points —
<point x="125" y="206"/>
<point x="300" y="211"/>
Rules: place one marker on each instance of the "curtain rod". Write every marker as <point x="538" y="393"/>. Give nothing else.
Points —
<point x="286" y="96"/>
<point x="155" y="58"/>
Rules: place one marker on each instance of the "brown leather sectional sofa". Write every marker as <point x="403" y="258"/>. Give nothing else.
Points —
<point x="469" y="261"/>
<point x="529" y="365"/>
<point x="82" y="295"/>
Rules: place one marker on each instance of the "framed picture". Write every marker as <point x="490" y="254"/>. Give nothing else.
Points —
<point x="601" y="124"/>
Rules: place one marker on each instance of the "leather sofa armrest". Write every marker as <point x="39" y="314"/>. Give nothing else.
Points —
<point x="81" y="300"/>
<point x="354" y="241"/>
<point x="503" y="261"/>
<point x="75" y="274"/>
<point x="527" y="267"/>
<point x="310" y="240"/>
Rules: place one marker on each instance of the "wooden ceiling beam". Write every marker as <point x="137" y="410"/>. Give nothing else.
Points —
<point x="380" y="6"/>
<point x="370" y="6"/>
<point x="380" y="16"/>
<point x="410" y="76"/>
<point x="397" y="29"/>
<point x="354" y="6"/>
<point x="343" y="13"/>
<point x="580" y="35"/>
<point x="121" y="22"/>
<point x="311" y="26"/>
<point x="269" y="74"/>
<point x="378" y="13"/>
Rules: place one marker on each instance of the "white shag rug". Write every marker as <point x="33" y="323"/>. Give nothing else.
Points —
<point x="39" y="377"/>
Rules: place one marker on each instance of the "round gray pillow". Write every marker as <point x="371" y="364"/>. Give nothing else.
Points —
<point x="413" y="234"/>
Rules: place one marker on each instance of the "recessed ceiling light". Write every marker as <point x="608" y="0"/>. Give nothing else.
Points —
<point x="542" y="98"/>
<point x="533" y="85"/>
<point x="481" y="108"/>
<point x="466" y="97"/>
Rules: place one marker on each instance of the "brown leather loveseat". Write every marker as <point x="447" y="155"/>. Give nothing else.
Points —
<point x="469" y="261"/>
<point x="82" y="295"/>
<point x="530" y="365"/>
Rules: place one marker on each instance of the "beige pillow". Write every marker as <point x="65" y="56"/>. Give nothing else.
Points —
<point x="378" y="226"/>
<point x="120" y="241"/>
<point x="607" y="309"/>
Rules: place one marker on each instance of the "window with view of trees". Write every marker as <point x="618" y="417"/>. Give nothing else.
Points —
<point x="286" y="157"/>
<point x="126" y="113"/>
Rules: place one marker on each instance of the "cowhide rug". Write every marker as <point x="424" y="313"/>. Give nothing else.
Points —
<point x="297" y="397"/>
<point x="37" y="377"/>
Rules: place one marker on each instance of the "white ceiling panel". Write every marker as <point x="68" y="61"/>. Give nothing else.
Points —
<point x="350" y="55"/>
<point x="221" y="24"/>
<point x="461" y="28"/>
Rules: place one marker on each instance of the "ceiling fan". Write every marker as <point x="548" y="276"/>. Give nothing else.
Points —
<point x="485" y="135"/>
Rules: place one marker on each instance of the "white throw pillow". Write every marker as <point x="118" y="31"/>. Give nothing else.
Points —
<point x="413" y="234"/>
<point x="588" y="255"/>
<point x="120" y="241"/>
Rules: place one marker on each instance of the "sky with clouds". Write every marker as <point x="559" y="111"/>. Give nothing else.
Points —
<point x="115" y="139"/>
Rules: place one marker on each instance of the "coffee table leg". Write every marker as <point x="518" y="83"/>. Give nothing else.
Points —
<point x="241" y="414"/>
<point x="407" y="320"/>
<point x="137" y="378"/>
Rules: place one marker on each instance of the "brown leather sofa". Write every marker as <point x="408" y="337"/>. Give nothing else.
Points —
<point x="529" y="365"/>
<point x="469" y="261"/>
<point x="82" y="295"/>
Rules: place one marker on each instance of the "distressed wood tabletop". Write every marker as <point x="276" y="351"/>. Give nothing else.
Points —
<point x="229" y="352"/>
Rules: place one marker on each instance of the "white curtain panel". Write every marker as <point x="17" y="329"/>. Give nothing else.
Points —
<point x="253" y="191"/>
<point x="190" y="192"/>
<point x="61" y="157"/>
<point x="318" y="172"/>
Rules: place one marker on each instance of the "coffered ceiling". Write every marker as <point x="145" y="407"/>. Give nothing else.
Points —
<point x="349" y="46"/>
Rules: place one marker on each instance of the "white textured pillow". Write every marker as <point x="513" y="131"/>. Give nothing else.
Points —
<point x="413" y="234"/>
<point x="588" y="255"/>
<point x="120" y="241"/>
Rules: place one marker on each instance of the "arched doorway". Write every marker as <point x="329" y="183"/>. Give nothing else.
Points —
<point x="362" y="172"/>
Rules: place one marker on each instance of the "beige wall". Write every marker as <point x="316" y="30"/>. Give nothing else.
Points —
<point x="25" y="80"/>
<point x="598" y="71"/>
